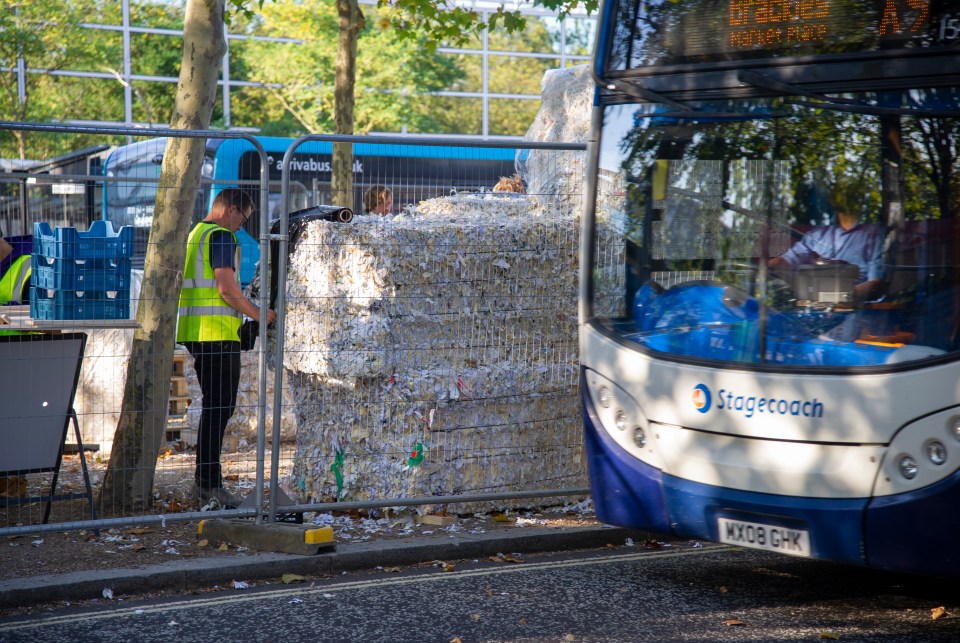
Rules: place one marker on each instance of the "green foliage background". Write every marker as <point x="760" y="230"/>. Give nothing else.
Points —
<point x="398" y="69"/>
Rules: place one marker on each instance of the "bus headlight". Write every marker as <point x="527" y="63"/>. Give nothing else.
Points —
<point x="908" y="467"/>
<point x="936" y="452"/>
<point x="604" y="397"/>
<point x="921" y="453"/>
<point x="640" y="437"/>
<point x="953" y="427"/>
<point x="620" y="420"/>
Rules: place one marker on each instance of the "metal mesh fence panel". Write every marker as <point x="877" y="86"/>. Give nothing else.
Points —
<point x="428" y="351"/>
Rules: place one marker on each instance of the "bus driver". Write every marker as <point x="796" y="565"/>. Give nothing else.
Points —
<point x="850" y="241"/>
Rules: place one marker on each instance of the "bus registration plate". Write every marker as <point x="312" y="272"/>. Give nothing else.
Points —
<point x="785" y="540"/>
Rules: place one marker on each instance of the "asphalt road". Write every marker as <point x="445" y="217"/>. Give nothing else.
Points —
<point x="682" y="593"/>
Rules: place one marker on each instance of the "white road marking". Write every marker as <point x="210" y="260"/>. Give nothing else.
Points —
<point x="508" y="568"/>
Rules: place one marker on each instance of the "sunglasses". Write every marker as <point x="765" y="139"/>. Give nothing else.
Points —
<point x="245" y="217"/>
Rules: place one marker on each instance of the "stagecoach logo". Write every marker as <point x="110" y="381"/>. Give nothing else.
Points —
<point x="701" y="398"/>
<point x="750" y="405"/>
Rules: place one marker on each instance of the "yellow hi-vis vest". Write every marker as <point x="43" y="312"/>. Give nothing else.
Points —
<point x="14" y="279"/>
<point x="203" y="315"/>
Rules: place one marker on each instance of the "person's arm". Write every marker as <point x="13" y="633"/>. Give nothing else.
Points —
<point x="222" y="256"/>
<point x="875" y="284"/>
<point x="229" y="289"/>
<point x="868" y="290"/>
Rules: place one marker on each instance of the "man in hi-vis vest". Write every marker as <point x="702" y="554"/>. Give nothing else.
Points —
<point x="15" y="275"/>
<point x="211" y="310"/>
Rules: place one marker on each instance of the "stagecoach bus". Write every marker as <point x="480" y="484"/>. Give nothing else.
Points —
<point x="413" y="172"/>
<point x="770" y="299"/>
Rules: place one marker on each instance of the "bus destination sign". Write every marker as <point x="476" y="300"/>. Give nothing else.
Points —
<point x="701" y="31"/>
<point x="763" y="24"/>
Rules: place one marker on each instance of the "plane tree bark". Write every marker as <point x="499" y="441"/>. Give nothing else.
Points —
<point x="128" y="483"/>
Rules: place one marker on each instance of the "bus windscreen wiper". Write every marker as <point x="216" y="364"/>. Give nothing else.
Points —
<point x="643" y="93"/>
<point x="833" y="103"/>
<point x="765" y="82"/>
<point x="684" y="111"/>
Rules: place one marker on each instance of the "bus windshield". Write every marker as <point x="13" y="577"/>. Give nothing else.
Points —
<point x="781" y="230"/>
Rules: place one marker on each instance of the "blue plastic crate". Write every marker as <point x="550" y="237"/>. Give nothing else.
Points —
<point x="48" y="304"/>
<point x="99" y="242"/>
<point x="81" y="274"/>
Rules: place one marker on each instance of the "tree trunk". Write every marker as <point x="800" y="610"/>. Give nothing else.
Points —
<point x="351" y="22"/>
<point x="128" y="483"/>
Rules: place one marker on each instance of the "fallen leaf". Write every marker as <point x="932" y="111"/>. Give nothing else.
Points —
<point x="231" y="476"/>
<point x="830" y="635"/>
<point x="569" y="637"/>
<point x="456" y="639"/>
<point x="489" y="593"/>
<point x="139" y="547"/>
<point x="393" y="570"/>
<point x="723" y="590"/>
<point x="733" y="621"/>
<point x="611" y="546"/>
<point x="140" y="531"/>
<point x="292" y="578"/>
<point x="503" y="518"/>
<point x="522" y="621"/>
<point x="203" y="543"/>
<point x="223" y="547"/>
<point x="938" y="612"/>
<point x="475" y="617"/>
<point x="650" y="543"/>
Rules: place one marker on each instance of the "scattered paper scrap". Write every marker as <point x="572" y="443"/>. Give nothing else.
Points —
<point x="507" y="558"/>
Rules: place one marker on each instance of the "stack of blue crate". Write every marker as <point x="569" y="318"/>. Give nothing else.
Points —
<point x="81" y="275"/>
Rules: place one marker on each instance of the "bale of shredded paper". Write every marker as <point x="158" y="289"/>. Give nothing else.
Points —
<point x="564" y="116"/>
<point x="435" y="353"/>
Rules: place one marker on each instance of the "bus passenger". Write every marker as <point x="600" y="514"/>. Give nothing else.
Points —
<point x="378" y="200"/>
<point x="859" y="244"/>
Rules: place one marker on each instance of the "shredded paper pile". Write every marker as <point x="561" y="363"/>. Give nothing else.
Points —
<point x="435" y="353"/>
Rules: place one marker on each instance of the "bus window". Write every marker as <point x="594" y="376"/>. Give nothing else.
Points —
<point x="779" y="236"/>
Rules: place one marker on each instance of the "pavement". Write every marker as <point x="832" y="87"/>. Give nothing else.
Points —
<point x="193" y="574"/>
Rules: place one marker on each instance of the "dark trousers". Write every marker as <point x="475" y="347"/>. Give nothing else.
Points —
<point x="218" y="368"/>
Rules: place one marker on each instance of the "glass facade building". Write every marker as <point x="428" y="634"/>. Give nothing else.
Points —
<point x="497" y="95"/>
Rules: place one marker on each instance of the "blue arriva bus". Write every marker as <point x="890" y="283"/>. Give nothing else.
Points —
<point x="770" y="298"/>
<point x="413" y="172"/>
